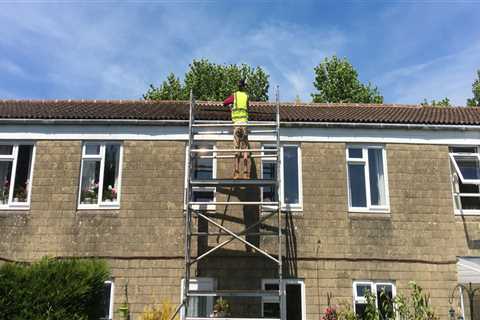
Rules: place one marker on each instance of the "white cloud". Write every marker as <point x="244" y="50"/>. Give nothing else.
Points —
<point x="11" y="68"/>
<point x="448" y="76"/>
<point x="289" y="52"/>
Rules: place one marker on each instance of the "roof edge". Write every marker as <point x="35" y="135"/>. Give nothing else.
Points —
<point x="346" y="125"/>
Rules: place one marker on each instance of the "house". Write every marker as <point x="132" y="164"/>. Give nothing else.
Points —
<point x="374" y="196"/>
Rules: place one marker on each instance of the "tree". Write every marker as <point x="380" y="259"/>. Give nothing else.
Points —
<point x="170" y="89"/>
<point x="445" y="102"/>
<point x="337" y="81"/>
<point x="475" y="101"/>
<point x="211" y="81"/>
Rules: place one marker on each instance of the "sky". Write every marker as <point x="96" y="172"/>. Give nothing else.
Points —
<point x="410" y="50"/>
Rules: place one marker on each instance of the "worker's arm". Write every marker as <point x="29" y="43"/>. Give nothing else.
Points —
<point x="228" y="101"/>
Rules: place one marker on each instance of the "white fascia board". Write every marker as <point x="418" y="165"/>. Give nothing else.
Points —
<point x="288" y="134"/>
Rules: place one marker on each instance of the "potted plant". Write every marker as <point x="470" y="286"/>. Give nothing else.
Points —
<point x="221" y="308"/>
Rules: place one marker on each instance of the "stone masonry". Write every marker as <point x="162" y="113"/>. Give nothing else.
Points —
<point x="328" y="247"/>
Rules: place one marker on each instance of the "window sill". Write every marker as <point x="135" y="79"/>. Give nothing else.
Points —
<point x="369" y="214"/>
<point x="86" y="207"/>
<point x="294" y="210"/>
<point x="459" y="213"/>
<point x="210" y="207"/>
<point x="15" y="208"/>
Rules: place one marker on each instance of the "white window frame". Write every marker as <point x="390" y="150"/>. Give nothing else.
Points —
<point x="364" y="160"/>
<point x="293" y="207"/>
<point x="101" y="156"/>
<point x="209" y="207"/>
<point x="373" y="289"/>
<point x="199" y="284"/>
<point x="11" y="205"/>
<point x="112" y="295"/>
<point x="456" y="175"/>
<point x="274" y="299"/>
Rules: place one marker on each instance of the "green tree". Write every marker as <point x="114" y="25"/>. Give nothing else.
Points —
<point x="170" y="89"/>
<point x="211" y="81"/>
<point x="445" y="102"/>
<point x="337" y="81"/>
<point x="475" y="101"/>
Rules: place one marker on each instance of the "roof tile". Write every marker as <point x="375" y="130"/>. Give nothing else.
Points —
<point x="178" y="110"/>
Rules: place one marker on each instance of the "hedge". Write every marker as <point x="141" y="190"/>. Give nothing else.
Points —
<point x="52" y="290"/>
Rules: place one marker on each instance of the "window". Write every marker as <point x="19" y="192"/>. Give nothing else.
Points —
<point x="291" y="189"/>
<point x="203" y="168"/>
<point x="107" y="301"/>
<point x="100" y="175"/>
<point x="16" y="163"/>
<point x="466" y="178"/>
<point x="200" y="306"/>
<point x="367" y="178"/>
<point x="294" y="299"/>
<point x="384" y="293"/>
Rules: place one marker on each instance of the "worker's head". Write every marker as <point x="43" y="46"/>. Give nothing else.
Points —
<point x="242" y="83"/>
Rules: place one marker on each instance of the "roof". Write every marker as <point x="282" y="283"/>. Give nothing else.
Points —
<point x="290" y="112"/>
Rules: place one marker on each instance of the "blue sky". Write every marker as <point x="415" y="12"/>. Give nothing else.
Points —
<point x="114" y="49"/>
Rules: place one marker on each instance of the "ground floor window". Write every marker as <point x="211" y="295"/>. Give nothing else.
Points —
<point x="107" y="301"/>
<point x="200" y="306"/>
<point x="294" y="299"/>
<point x="384" y="293"/>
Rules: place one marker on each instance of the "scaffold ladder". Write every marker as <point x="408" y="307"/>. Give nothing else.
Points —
<point x="270" y="209"/>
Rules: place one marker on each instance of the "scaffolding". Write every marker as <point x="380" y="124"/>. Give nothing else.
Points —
<point x="195" y="209"/>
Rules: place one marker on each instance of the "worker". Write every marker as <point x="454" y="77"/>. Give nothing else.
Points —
<point x="239" y="105"/>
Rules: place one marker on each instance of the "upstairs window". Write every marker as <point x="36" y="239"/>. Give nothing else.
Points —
<point x="465" y="163"/>
<point x="367" y="179"/>
<point x="100" y="175"/>
<point x="203" y="168"/>
<point x="384" y="293"/>
<point x="291" y="171"/>
<point x="15" y="175"/>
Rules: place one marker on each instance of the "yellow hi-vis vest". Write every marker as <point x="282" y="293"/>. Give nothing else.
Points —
<point x="240" y="107"/>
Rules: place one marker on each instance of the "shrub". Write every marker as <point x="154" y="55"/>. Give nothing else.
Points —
<point x="415" y="307"/>
<point x="52" y="289"/>
<point x="159" y="312"/>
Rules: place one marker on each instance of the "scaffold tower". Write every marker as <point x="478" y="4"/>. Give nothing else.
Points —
<point x="194" y="208"/>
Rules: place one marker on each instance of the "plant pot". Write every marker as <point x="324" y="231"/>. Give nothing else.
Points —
<point x="15" y="199"/>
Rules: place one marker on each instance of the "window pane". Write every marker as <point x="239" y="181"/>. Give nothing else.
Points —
<point x="6" y="150"/>
<point x="107" y="290"/>
<point x="362" y="289"/>
<point x="385" y="301"/>
<point x="20" y="189"/>
<point x="355" y="153"/>
<point x="271" y="310"/>
<point x="92" y="149"/>
<point x="470" y="203"/>
<point x="271" y="286"/>
<point x="110" y="173"/>
<point x="5" y="176"/>
<point x="269" y="171"/>
<point x="202" y="168"/>
<point x="290" y="173"/>
<point x="89" y="184"/>
<point x="463" y="149"/>
<point x="469" y="167"/>
<point x="203" y="196"/>
<point x="377" y="178"/>
<point x="356" y="176"/>
<point x="360" y="310"/>
<point x="197" y="307"/>
<point x="294" y="302"/>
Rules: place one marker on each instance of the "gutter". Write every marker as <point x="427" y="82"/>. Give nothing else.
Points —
<point x="136" y="122"/>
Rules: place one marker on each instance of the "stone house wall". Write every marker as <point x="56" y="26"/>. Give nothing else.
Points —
<point x="328" y="247"/>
